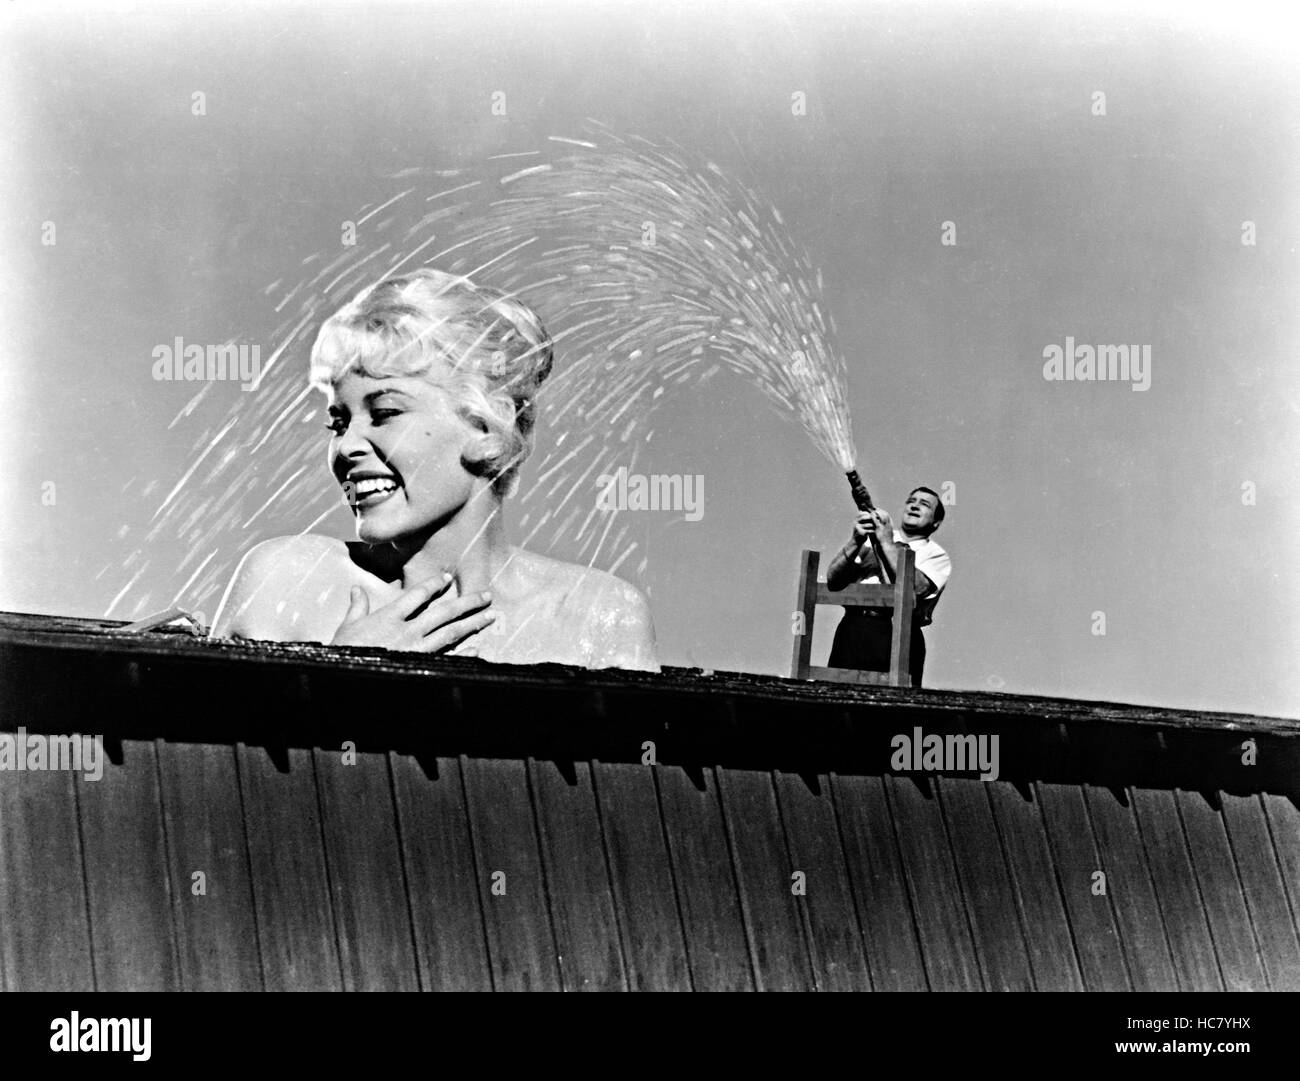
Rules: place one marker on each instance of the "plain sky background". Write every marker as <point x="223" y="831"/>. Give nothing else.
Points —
<point x="1071" y="498"/>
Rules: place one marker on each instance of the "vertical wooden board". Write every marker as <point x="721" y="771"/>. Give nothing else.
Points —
<point x="44" y="932"/>
<point x="450" y="942"/>
<point x="1038" y="896"/>
<point x="806" y="605"/>
<point x="1092" y="919"/>
<point x="986" y="884"/>
<point x="839" y="963"/>
<point x="217" y="929"/>
<point x="763" y="867"/>
<point x="1128" y="883"/>
<point x="642" y="874"/>
<point x="521" y="944"/>
<point x="706" y="882"/>
<point x="366" y="875"/>
<point x="1175" y="884"/>
<point x="1265" y="892"/>
<point x="876" y="873"/>
<point x="291" y="896"/>
<point x="1220" y="888"/>
<point x="131" y="922"/>
<point x="1283" y="818"/>
<point x="951" y="963"/>
<point x="582" y="905"/>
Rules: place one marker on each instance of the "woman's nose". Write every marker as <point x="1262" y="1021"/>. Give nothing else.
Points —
<point x="352" y="444"/>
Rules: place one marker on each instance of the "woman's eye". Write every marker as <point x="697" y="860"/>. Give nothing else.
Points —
<point x="378" y="415"/>
<point x="337" y="425"/>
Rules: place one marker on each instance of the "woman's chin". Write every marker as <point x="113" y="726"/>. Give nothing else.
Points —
<point x="390" y="521"/>
<point x="370" y="531"/>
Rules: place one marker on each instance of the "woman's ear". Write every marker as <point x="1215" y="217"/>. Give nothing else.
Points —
<point x="473" y="419"/>
<point x="482" y="452"/>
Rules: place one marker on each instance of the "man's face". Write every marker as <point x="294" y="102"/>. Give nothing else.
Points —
<point x="918" y="512"/>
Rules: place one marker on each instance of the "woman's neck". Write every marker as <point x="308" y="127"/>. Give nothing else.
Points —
<point x="472" y="546"/>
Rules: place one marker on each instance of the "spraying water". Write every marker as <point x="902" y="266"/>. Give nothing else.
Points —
<point x="650" y="274"/>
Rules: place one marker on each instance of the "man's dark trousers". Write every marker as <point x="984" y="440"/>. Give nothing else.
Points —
<point x="862" y="640"/>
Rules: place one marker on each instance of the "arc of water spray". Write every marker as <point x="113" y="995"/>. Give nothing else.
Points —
<point x="719" y="283"/>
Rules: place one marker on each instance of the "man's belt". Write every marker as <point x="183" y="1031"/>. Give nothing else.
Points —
<point x="886" y="614"/>
<point x="872" y="613"/>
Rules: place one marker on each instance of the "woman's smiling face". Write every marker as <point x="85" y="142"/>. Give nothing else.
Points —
<point x="396" y="450"/>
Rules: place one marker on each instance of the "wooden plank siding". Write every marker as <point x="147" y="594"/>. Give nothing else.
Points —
<point x="618" y="885"/>
<point x="128" y="879"/>
<point x="705" y="872"/>
<point x="770" y="846"/>
<point x="45" y="940"/>
<point x="1264" y="890"/>
<point x="292" y="906"/>
<point x="587" y="927"/>
<point x="830" y="912"/>
<point x="778" y="942"/>
<point x="442" y="876"/>
<point x="947" y="945"/>
<point x="645" y="891"/>
<point x="1177" y="891"/>
<point x="512" y="888"/>
<point x="1077" y="863"/>
<point x="884" y="910"/>
<point x="1128" y="884"/>
<point x="207" y="857"/>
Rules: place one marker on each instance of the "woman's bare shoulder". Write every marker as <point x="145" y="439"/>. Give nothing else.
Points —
<point x="614" y="616"/>
<point x="304" y="552"/>
<point x="580" y="585"/>
<point x="264" y="598"/>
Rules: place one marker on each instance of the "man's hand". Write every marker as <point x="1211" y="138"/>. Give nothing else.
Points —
<point x="863" y="526"/>
<point x="877" y="522"/>
<point x="885" y="531"/>
<point x="441" y="625"/>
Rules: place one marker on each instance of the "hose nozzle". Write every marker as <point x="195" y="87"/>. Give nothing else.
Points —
<point x="860" y="494"/>
<point x="863" y="499"/>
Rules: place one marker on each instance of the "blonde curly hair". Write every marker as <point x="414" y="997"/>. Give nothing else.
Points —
<point x="495" y="346"/>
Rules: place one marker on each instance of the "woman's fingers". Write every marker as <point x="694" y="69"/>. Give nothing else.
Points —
<point x="358" y="605"/>
<point x="352" y="631"/>
<point x="449" y="634"/>
<point x="447" y="609"/>
<point x="410" y="600"/>
<point x="444" y="621"/>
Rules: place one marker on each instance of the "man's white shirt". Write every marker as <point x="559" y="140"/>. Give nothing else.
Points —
<point x="933" y="562"/>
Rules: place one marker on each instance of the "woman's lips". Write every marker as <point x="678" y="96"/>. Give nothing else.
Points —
<point x="370" y="491"/>
<point x="365" y="502"/>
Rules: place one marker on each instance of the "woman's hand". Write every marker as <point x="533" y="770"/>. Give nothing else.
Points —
<point x="443" y="623"/>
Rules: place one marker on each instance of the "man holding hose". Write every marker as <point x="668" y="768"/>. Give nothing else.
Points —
<point x="862" y="639"/>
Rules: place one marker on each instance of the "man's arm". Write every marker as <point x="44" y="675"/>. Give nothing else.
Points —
<point x="844" y="569"/>
<point x="921" y="585"/>
<point x="884" y="531"/>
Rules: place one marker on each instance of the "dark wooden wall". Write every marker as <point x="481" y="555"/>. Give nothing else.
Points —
<point x="617" y="875"/>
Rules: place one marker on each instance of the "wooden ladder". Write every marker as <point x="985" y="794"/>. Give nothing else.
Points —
<point x="901" y="597"/>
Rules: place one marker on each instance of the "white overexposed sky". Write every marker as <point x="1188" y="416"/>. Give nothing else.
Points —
<point x="1070" y="498"/>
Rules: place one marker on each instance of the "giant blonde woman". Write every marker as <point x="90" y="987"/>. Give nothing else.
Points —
<point x="431" y="383"/>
